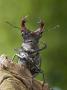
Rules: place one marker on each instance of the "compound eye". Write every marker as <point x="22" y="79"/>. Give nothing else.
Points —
<point x="24" y="59"/>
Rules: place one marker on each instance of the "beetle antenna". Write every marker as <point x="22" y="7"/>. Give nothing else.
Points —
<point x="53" y="28"/>
<point x="12" y="25"/>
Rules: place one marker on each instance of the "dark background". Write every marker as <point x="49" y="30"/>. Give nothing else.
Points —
<point x="54" y="12"/>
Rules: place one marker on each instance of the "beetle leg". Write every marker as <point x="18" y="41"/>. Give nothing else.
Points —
<point x="14" y="57"/>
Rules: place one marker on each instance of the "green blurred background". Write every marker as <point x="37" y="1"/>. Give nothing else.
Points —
<point x="54" y="12"/>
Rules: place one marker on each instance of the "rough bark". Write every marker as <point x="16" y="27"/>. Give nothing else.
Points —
<point x="17" y="77"/>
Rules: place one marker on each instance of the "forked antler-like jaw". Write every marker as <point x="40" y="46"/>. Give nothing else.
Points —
<point x="24" y="28"/>
<point x="23" y="21"/>
<point x="41" y="23"/>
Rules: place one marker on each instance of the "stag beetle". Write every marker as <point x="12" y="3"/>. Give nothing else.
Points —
<point x="29" y="52"/>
